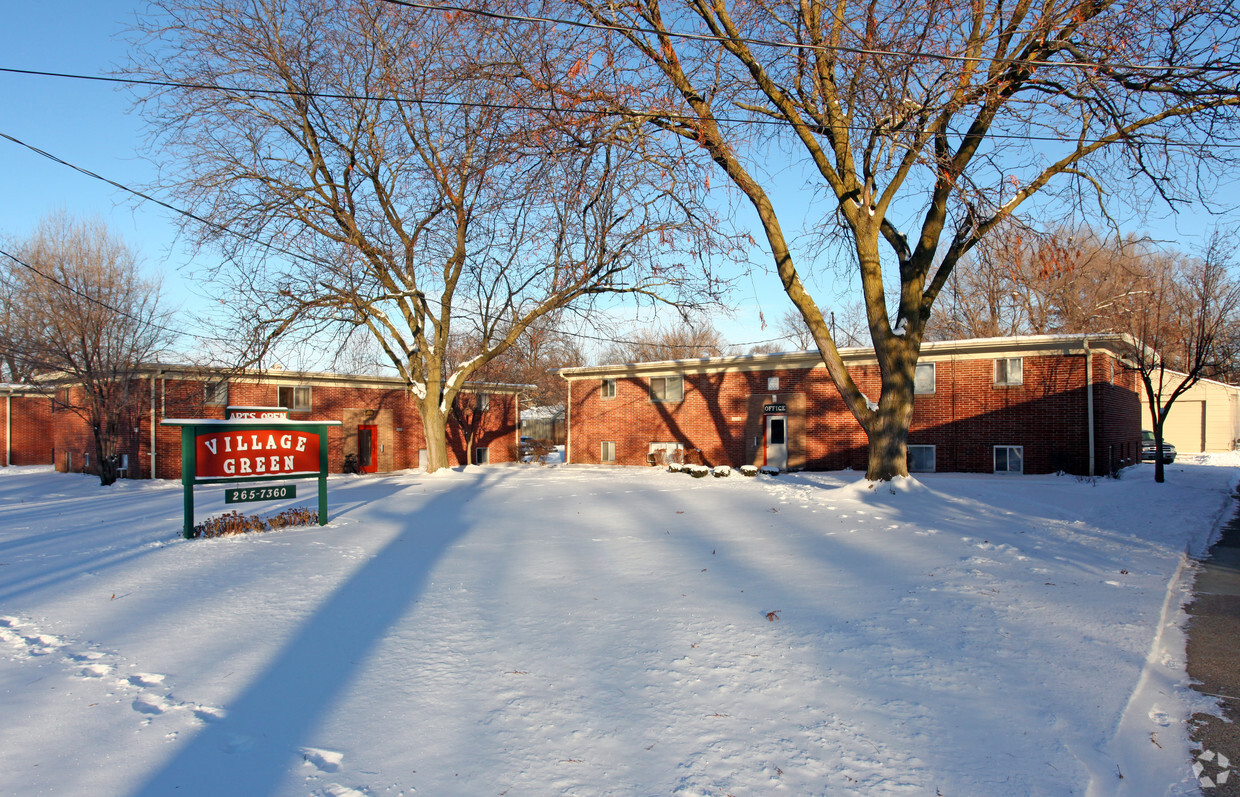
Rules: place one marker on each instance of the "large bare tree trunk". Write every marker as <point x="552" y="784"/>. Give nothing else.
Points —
<point x="888" y="426"/>
<point x="435" y="429"/>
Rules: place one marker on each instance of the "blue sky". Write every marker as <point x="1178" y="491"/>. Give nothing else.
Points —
<point x="86" y="123"/>
<point x="91" y="124"/>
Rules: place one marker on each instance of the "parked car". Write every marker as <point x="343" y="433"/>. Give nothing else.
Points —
<point x="1149" y="450"/>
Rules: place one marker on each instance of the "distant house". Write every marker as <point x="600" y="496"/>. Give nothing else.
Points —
<point x="25" y="426"/>
<point x="1205" y="418"/>
<point x="1034" y="404"/>
<point x="380" y="422"/>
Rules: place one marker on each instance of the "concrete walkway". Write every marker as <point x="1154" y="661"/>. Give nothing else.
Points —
<point x="1214" y="660"/>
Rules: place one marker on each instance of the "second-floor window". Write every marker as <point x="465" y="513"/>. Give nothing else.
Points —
<point x="295" y="399"/>
<point x="667" y="388"/>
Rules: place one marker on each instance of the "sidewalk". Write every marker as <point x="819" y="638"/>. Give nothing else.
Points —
<point x="1214" y="659"/>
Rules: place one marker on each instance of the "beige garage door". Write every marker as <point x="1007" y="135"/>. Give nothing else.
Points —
<point x="1186" y="426"/>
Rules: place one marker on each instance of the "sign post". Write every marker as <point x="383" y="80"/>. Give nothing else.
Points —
<point x="255" y="444"/>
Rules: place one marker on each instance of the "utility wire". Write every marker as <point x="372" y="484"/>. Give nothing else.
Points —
<point x="267" y="245"/>
<point x="673" y="117"/>
<point x="784" y="44"/>
<point x="92" y="299"/>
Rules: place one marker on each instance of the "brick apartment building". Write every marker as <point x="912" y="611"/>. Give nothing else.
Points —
<point x="1035" y="404"/>
<point x="380" y="422"/>
<point x="25" y="426"/>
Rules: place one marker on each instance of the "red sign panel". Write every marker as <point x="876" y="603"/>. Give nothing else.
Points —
<point x="256" y="452"/>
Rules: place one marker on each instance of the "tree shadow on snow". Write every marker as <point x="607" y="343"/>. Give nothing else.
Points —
<point x="252" y="750"/>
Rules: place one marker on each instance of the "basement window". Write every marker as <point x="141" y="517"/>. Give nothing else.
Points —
<point x="1009" y="459"/>
<point x="609" y="451"/>
<point x="482" y="456"/>
<point x="921" y="459"/>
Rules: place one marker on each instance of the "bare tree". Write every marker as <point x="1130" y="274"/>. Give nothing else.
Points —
<point x="531" y="359"/>
<point x="415" y="174"/>
<point x="688" y="340"/>
<point x="1182" y="328"/>
<point x="848" y="327"/>
<point x="96" y="318"/>
<point x="946" y="116"/>
<point x="1020" y="282"/>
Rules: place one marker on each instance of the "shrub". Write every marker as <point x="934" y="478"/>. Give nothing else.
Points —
<point x="675" y="467"/>
<point x="234" y="522"/>
<point x="722" y="472"/>
<point x="697" y="471"/>
<point x="749" y="470"/>
<point x="768" y="470"/>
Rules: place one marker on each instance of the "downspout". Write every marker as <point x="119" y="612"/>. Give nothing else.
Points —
<point x="1089" y="401"/>
<point x="8" y="428"/>
<point x="568" y="425"/>
<point x="153" y="440"/>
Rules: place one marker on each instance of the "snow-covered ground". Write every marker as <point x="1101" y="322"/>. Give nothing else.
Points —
<point x="584" y="631"/>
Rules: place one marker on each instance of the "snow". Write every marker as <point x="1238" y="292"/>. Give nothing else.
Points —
<point x="583" y="630"/>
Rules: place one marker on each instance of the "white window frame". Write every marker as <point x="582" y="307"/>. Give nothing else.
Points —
<point x="670" y="449"/>
<point x="482" y="401"/>
<point x="608" y="447"/>
<point x="609" y="388"/>
<point x="933" y="455"/>
<point x="215" y="394"/>
<point x="680" y="394"/>
<point x="1007" y="459"/>
<point x="482" y="455"/>
<point x="1005" y="375"/>
<point x="297" y="391"/>
<point x="772" y="383"/>
<point x="919" y="383"/>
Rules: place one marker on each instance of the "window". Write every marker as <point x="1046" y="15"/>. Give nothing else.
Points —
<point x="663" y="453"/>
<point x="923" y="379"/>
<point x="921" y="459"/>
<point x="1009" y="459"/>
<point x="609" y="451"/>
<point x="776" y="427"/>
<point x="667" y="388"/>
<point x="216" y="393"/>
<point x="609" y="388"/>
<point x="295" y="399"/>
<point x="484" y="402"/>
<point x="482" y="456"/>
<point x="772" y="383"/>
<point x="1008" y="371"/>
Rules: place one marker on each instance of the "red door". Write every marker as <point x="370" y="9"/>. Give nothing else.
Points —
<point x="367" y="448"/>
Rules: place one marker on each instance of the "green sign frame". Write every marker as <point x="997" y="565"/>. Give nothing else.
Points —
<point x="192" y="429"/>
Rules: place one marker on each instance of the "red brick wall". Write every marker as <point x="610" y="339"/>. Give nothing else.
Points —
<point x="964" y="418"/>
<point x="494" y="429"/>
<point x="31" y="427"/>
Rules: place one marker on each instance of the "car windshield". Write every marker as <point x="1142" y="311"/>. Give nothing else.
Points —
<point x="1147" y="436"/>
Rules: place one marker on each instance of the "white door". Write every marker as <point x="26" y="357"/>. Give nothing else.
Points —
<point x="777" y="441"/>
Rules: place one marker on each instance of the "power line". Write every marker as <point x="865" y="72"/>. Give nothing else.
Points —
<point x="784" y="44"/>
<point x="262" y="243"/>
<point x="669" y="116"/>
<point x="92" y="299"/>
